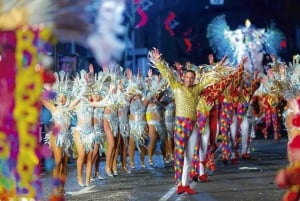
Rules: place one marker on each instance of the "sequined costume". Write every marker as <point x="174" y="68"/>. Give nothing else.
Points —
<point x="138" y="123"/>
<point x="186" y="99"/>
<point x="98" y="129"/>
<point x="242" y="135"/>
<point x="110" y="103"/>
<point x="84" y="112"/>
<point x="62" y="119"/>
<point x="169" y="112"/>
<point x="123" y="111"/>
<point x="156" y="108"/>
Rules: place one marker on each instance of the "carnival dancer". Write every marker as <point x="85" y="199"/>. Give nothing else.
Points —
<point x="228" y="101"/>
<point x="154" y="118"/>
<point x="83" y="133"/>
<point x="100" y="138"/>
<point x="123" y="116"/>
<point x="205" y="104"/>
<point x="268" y="98"/>
<point x="243" y="124"/>
<point x="99" y="135"/>
<point x="186" y="98"/>
<point x="137" y="119"/>
<point x="61" y="141"/>
<point x="110" y="125"/>
<point x="169" y="117"/>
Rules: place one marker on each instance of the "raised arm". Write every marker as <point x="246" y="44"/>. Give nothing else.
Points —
<point x="156" y="61"/>
<point x="74" y="103"/>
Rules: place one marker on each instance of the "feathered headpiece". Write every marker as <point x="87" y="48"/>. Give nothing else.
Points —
<point x="62" y="84"/>
<point x="102" y="83"/>
<point x="134" y="87"/>
<point x="83" y="84"/>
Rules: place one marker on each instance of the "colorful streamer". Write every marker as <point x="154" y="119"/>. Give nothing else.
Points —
<point x="144" y="18"/>
<point x="171" y="23"/>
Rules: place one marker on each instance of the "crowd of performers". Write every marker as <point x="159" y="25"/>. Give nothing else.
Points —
<point x="192" y="110"/>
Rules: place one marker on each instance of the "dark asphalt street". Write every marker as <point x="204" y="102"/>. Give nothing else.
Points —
<point x="250" y="180"/>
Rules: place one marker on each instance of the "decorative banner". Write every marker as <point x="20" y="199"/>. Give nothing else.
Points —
<point x="187" y="41"/>
<point x="142" y="6"/>
<point x="188" y="44"/>
<point x="171" y="23"/>
<point x="144" y="18"/>
<point x="19" y="96"/>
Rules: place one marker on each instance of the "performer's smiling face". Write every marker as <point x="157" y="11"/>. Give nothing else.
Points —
<point x="189" y="78"/>
<point x="61" y="99"/>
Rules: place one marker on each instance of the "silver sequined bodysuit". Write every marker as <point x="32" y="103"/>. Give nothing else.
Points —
<point x="84" y="113"/>
<point x="124" y="121"/>
<point x="98" y="128"/>
<point x="138" y="124"/>
<point x="62" y="118"/>
<point x="169" y="112"/>
<point x="123" y="112"/>
<point x="169" y="115"/>
<point x="111" y="103"/>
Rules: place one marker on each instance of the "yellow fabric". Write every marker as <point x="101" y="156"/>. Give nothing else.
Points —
<point x="26" y="111"/>
<point x="203" y="106"/>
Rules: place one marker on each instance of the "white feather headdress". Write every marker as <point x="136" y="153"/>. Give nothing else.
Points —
<point x="62" y="85"/>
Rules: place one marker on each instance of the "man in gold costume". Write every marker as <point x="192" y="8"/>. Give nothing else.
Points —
<point x="186" y="99"/>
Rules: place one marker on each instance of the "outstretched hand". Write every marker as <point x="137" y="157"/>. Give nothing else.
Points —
<point x="150" y="73"/>
<point x="155" y="54"/>
<point x="129" y="73"/>
<point x="91" y="68"/>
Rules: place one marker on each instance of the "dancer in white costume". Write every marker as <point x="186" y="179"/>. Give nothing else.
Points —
<point x="123" y="115"/>
<point x="60" y="142"/>
<point x="137" y="123"/>
<point x="169" y="117"/>
<point x="83" y="133"/>
<point x="154" y="117"/>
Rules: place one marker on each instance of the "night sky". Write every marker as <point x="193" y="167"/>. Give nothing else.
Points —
<point x="193" y="17"/>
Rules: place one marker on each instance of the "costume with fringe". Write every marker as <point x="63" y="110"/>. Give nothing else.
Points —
<point x="64" y="139"/>
<point x="123" y="112"/>
<point x="169" y="112"/>
<point x="99" y="130"/>
<point x="84" y="112"/>
<point x="138" y="124"/>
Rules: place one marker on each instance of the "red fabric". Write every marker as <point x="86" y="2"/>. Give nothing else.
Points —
<point x="295" y="143"/>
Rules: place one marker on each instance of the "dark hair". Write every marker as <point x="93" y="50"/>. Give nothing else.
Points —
<point x="190" y="71"/>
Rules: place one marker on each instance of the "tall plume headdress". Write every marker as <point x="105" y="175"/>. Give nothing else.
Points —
<point x="102" y="83"/>
<point x="62" y="85"/>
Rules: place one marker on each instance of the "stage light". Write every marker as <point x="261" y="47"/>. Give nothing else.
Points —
<point x="216" y="2"/>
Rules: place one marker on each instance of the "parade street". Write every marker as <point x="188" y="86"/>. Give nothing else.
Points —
<point x="250" y="180"/>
